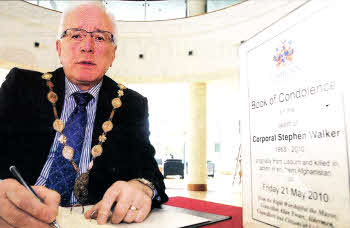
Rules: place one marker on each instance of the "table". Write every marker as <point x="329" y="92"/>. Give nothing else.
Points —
<point x="210" y="207"/>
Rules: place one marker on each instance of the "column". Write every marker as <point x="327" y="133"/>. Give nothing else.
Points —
<point x="197" y="164"/>
<point x="196" y="7"/>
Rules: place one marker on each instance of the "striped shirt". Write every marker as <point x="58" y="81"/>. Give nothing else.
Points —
<point x="68" y="107"/>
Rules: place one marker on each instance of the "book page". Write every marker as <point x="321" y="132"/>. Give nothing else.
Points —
<point x="157" y="218"/>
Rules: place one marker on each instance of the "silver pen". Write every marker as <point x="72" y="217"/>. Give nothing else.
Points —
<point x="15" y="172"/>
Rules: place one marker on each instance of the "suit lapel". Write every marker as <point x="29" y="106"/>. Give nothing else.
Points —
<point x="103" y="109"/>
<point x="59" y="88"/>
<point x="47" y="118"/>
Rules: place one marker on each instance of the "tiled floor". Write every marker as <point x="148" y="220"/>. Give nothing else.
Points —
<point x="220" y="189"/>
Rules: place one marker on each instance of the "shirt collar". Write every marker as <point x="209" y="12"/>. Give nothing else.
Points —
<point x="72" y="88"/>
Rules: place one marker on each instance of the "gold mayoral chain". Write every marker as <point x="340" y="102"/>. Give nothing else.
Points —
<point x="80" y="186"/>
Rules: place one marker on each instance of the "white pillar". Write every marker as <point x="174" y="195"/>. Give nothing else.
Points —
<point x="197" y="164"/>
<point x="196" y="7"/>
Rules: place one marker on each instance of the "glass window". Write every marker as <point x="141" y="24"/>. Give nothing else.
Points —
<point x="213" y="5"/>
<point x="131" y="10"/>
<point x="127" y="10"/>
<point x="217" y="147"/>
<point x="147" y="11"/>
<point x="163" y="10"/>
<point x="51" y="4"/>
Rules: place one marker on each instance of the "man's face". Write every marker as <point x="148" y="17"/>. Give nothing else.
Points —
<point x="85" y="62"/>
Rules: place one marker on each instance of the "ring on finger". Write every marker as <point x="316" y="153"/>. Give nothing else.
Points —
<point x="93" y="215"/>
<point x="133" y="208"/>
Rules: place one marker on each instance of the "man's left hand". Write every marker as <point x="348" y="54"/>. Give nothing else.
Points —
<point x="133" y="203"/>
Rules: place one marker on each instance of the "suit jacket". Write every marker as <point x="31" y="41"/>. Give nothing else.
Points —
<point x="26" y="132"/>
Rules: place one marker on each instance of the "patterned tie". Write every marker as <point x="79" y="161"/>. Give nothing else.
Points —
<point x="62" y="174"/>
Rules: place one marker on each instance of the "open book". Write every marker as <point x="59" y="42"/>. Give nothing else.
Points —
<point x="157" y="218"/>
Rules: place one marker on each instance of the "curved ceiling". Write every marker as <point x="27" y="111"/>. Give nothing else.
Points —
<point x="165" y="46"/>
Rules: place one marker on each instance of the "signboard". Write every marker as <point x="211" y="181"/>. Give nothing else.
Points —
<point x="294" y="135"/>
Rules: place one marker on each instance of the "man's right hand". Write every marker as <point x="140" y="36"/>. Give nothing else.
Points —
<point x="20" y="208"/>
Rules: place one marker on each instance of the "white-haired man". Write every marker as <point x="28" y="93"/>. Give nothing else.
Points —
<point x="76" y="134"/>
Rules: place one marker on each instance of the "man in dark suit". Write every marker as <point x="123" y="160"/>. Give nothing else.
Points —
<point x="123" y="172"/>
